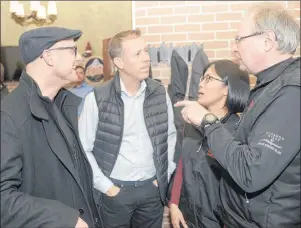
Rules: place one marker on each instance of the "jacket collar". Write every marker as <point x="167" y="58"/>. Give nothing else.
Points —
<point x="63" y="98"/>
<point x="151" y="85"/>
<point x="271" y="73"/>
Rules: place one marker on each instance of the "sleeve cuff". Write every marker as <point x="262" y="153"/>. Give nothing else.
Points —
<point x="103" y="185"/>
<point x="207" y="131"/>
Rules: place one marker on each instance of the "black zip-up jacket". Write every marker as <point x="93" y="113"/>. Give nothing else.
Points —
<point x="201" y="176"/>
<point x="262" y="185"/>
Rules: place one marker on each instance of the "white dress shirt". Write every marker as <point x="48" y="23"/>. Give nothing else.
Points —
<point x="135" y="159"/>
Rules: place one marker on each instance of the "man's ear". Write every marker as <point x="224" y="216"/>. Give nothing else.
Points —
<point x="47" y="58"/>
<point x="270" y="40"/>
<point x="118" y="62"/>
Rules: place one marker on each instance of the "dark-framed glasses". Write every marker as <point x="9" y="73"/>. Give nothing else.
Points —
<point x="208" y="78"/>
<point x="74" y="48"/>
<point x="240" y="38"/>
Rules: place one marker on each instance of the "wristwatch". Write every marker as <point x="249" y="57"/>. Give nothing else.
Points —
<point x="208" y="120"/>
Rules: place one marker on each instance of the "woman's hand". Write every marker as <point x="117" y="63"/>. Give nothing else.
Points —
<point x="176" y="216"/>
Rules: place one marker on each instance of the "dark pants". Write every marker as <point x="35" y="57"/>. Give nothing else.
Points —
<point x="133" y="207"/>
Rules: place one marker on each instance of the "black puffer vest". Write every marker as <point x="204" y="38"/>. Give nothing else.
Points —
<point x="111" y="122"/>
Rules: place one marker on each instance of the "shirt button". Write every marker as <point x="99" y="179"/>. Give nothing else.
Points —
<point x="81" y="211"/>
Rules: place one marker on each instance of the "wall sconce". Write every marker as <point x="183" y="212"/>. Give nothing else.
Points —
<point x="38" y="14"/>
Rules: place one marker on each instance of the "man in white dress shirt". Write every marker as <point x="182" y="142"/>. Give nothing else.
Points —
<point x="127" y="131"/>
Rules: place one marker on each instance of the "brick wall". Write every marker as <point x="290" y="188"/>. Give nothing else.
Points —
<point x="213" y="23"/>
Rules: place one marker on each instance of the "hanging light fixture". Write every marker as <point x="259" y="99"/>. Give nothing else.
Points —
<point x="38" y="13"/>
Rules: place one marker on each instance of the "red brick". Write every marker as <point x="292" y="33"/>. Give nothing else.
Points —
<point x="210" y="53"/>
<point x="215" y="26"/>
<point x="216" y="44"/>
<point x="173" y="19"/>
<point x="228" y="16"/>
<point x="240" y="6"/>
<point x="226" y="35"/>
<point x="151" y="38"/>
<point x="215" y="7"/>
<point x="201" y="18"/>
<point x="234" y="25"/>
<point x="222" y="53"/>
<point x="147" y="21"/>
<point x="187" y="10"/>
<point x="188" y="28"/>
<point x="140" y="13"/>
<point x="201" y="36"/>
<point x="173" y="37"/>
<point x="159" y="11"/>
<point x="160" y="29"/>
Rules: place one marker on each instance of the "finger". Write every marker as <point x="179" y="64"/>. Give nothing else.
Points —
<point x="176" y="224"/>
<point x="183" y="103"/>
<point x="184" y="223"/>
<point x="186" y="119"/>
<point x="184" y="111"/>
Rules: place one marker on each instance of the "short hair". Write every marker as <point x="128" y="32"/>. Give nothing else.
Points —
<point x="115" y="44"/>
<point x="273" y="17"/>
<point x="81" y="67"/>
<point x="237" y="81"/>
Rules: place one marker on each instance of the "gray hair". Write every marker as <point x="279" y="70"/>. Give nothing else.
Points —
<point x="268" y="17"/>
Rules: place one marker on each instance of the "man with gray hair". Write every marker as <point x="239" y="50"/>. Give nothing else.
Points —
<point x="261" y="185"/>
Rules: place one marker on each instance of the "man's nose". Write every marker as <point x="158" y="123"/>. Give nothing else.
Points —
<point x="233" y="48"/>
<point x="146" y="57"/>
<point x="78" y="57"/>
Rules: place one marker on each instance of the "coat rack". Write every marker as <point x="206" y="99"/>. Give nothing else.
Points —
<point x="162" y="54"/>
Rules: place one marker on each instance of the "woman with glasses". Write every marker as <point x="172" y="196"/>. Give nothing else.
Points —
<point x="224" y="91"/>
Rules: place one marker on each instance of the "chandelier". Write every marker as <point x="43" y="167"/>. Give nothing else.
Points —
<point x="38" y="14"/>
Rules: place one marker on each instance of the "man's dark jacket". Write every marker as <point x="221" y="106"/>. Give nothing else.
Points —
<point x="262" y="185"/>
<point x="40" y="186"/>
<point x="111" y="122"/>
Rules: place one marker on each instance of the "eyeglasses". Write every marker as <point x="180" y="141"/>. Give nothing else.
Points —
<point x="208" y="78"/>
<point x="74" y="48"/>
<point x="240" y="38"/>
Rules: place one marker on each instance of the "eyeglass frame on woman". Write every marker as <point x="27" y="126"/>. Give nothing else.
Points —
<point x="74" y="48"/>
<point x="208" y="78"/>
<point x="240" y="38"/>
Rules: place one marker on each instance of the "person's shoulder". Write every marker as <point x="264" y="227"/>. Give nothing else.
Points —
<point x="16" y="106"/>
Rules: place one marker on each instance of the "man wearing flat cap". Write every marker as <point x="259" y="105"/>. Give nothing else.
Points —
<point x="46" y="179"/>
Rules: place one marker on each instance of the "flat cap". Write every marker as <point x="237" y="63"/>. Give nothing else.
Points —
<point x="32" y="43"/>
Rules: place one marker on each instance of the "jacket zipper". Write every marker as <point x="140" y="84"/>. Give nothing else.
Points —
<point x="121" y="136"/>
<point x="247" y="200"/>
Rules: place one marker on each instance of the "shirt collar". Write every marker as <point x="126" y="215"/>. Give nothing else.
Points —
<point x="81" y="85"/>
<point x="139" y="92"/>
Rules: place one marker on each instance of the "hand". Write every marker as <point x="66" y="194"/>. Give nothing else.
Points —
<point x="176" y="216"/>
<point x="155" y="182"/>
<point x="113" y="191"/>
<point x="193" y="112"/>
<point x="81" y="224"/>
